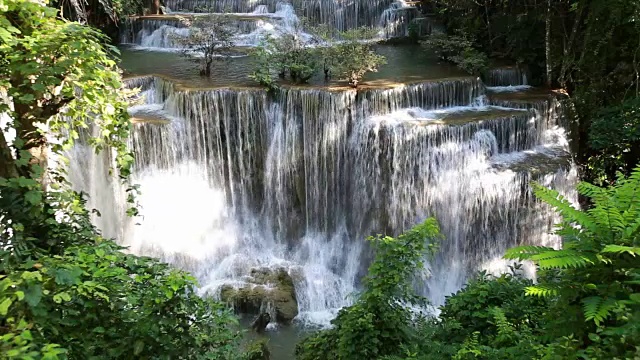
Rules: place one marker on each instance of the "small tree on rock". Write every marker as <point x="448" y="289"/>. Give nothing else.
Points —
<point x="287" y="56"/>
<point x="210" y="38"/>
<point x="354" y="57"/>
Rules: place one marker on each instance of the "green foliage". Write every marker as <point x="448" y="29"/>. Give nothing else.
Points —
<point x="590" y="48"/>
<point x="65" y="292"/>
<point x="596" y="274"/>
<point x="58" y="74"/>
<point x="585" y="304"/>
<point x="257" y="350"/>
<point x="472" y="309"/>
<point x="354" y="56"/>
<point x="614" y="136"/>
<point x="459" y="50"/>
<point x="210" y="39"/>
<point x="380" y="323"/>
<point x="286" y="56"/>
<point x="289" y="57"/>
<point x="62" y="284"/>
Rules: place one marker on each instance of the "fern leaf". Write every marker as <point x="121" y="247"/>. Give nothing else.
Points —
<point x="565" y="208"/>
<point x="597" y="309"/>
<point x="591" y="306"/>
<point x="618" y="249"/>
<point x="632" y="230"/>
<point x="525" y="252"/>
<point x="563" y="259"/>
<point x="541" y="290"/>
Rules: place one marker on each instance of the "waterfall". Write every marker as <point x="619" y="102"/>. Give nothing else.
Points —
<point x="253" y="22"/>
<point x="394" y="21"/>
<point x="509" y="77"/>
<point x="236" y="179"/>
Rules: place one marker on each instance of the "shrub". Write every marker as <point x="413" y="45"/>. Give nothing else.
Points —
<point x="380" y="322"/>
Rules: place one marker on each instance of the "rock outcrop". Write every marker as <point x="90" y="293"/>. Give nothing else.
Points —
<point x="267" y="290"/>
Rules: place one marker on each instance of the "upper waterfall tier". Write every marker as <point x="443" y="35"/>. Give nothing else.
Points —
<point x="340" y="14"/>
<point x="255" y="21"/>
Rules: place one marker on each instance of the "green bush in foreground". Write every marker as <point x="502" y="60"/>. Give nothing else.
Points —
<point x="380" y="322"/>
<point x="88" y="299"/>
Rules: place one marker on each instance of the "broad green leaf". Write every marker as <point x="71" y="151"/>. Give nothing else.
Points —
<point x="33" y="294"/>
<point x="4" y="306"/>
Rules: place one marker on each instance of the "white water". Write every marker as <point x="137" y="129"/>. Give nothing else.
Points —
<point x="232" y="180"/>
<point x="159" y="35"/>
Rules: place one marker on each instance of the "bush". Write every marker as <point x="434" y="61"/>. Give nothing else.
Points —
<point x="290" y="57"/>
<point x="211" y="37"/>
<point x="381" y="322"/>
<point x="354" y="57"/>
<point x="614" y="135"/>
<point x="66" y="291"/>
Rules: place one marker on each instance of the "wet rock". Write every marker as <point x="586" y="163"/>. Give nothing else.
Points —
<point x="267" y="290"/>
<point x="261" y="321"/>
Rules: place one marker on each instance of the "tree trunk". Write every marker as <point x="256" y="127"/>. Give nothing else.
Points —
<point x="7" y="163"/>
<point x="155" y="7"/>
<point x="568" y="56"/>
<point x="33" y="141"/>
<point x="547" y="42"/>
<point x="488" y="20"/>
<point x="206" y="70"/>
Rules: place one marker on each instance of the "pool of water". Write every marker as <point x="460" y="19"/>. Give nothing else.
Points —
<point x="405" y="63"/>
<point x="281" y="340"/>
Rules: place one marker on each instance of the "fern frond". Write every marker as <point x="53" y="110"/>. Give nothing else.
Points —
<point x="631" y="233"/>
<point x="597" y="309"/>
<point x="619" y="249"/>
<point x="591" y="191"/>
<point x="591" y="306"/>
<point x="525" y="252"/>
<point x="627" y="197"/>
<point x="541" y="290"/>
<point x="505" y="328"/>
<point x="563" y="259"/>
<point x="635" y="175"/>
<point x="564" y="207"/>
<point x="609" y="218"/>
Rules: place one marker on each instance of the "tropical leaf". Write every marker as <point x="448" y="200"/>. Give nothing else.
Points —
<point x="542" y="290"/>
<point x="618" y="249"/>
<point x="525" y="252"/>
<point x="598" y="309"/>
<point x="563" y="259"/>
<point x="565" y="208"/>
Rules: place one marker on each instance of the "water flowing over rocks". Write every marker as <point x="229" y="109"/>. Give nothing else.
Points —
<point x="266" y="290"/>
<point x="254" y="21"/>
<point x="238" y="180"/>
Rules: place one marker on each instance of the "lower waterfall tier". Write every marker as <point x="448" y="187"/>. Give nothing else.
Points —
<point x="234" y="180"/>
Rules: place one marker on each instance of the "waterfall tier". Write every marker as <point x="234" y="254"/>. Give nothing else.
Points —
<point x="339" y="14"/>
<point x="237" y="179"/>
<point x="253" y="21"/>
<point x="508" y="76"/>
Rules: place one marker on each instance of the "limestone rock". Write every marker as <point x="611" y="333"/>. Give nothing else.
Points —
<point x="266" y="290"/>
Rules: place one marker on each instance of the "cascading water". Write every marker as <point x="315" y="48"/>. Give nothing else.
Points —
<point x="339" y="14"/>
<point x="394" y="21"/>
<point x="234" y="180"/>
<point x="160" y="32"/>
<point x="253" y="22"/>
<point x="511" y="76"/>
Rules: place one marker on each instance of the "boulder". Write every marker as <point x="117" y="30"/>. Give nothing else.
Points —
<point x="266" y="290"/>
